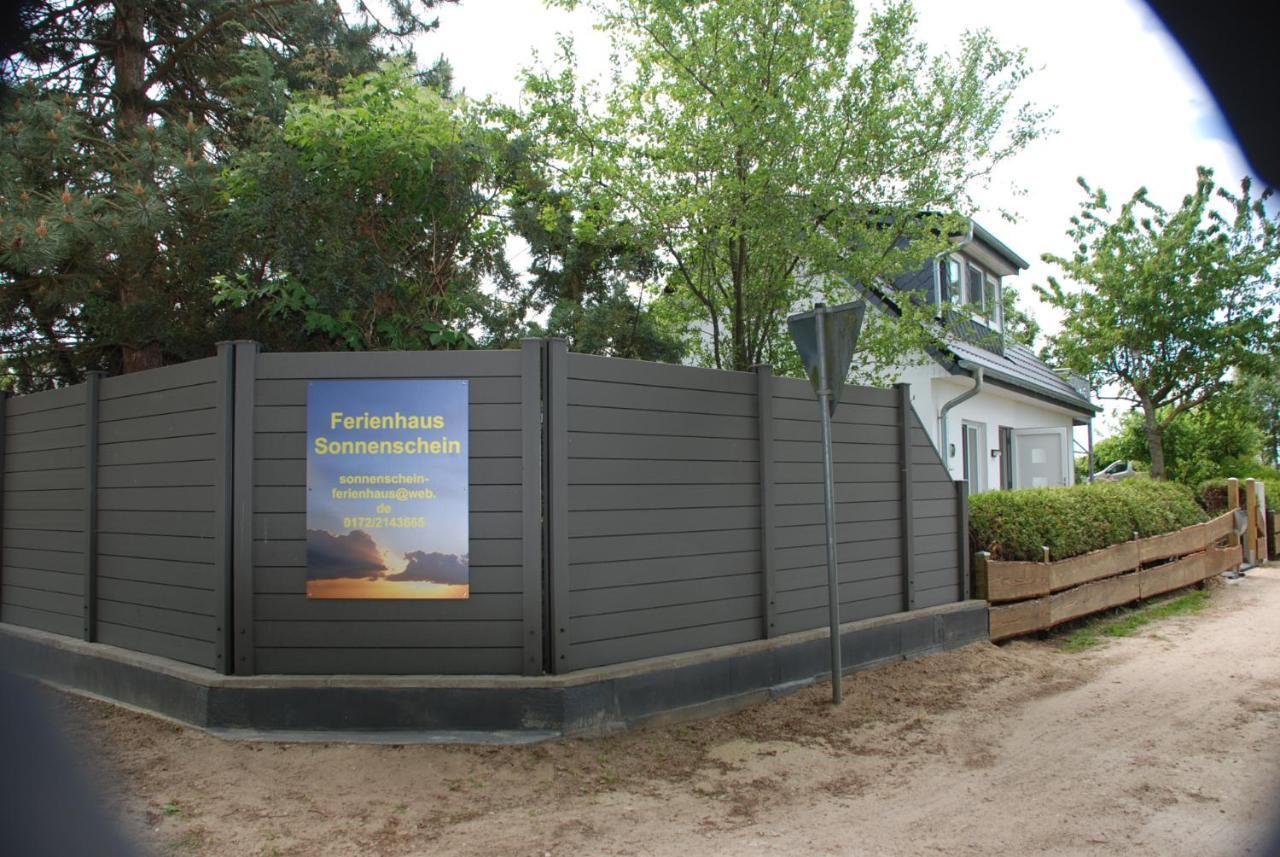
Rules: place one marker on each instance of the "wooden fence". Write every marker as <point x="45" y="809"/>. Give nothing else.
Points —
<point x="1032" y="596"/>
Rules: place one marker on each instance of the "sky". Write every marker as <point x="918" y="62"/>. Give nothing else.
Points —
<point x="1130" y="110"/>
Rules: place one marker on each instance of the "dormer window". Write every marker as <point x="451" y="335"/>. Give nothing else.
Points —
<point x="965" y="284"/>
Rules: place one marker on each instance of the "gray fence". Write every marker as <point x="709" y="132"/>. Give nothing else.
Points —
<point x="619" y="510"/>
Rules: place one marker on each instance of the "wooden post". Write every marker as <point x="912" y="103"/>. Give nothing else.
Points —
<point x="1251" y="528"/>
<point x="1045" y="548"/>
<point x="908" y="523"/>
<point x="90" y="614"/>
<point x="242" y="509"/>
<point x="768" y="563"/>
<point x="980" y="560"/>
<point x="1264" y="550"/>
<point x="531" y="534"/>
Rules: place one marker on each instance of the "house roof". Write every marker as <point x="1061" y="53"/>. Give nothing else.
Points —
<point x="1018" y="367"/>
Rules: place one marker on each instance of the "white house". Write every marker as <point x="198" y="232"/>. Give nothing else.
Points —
<point x="999" y="416"/>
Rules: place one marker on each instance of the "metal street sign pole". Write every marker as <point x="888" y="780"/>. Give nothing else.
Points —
<point x="825" y="339"/>
<point x="828" y="484"/>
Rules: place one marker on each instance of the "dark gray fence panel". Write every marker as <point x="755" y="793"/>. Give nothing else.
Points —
<point x="157" y="575"/>
<point x="42" y="516"/>
<point x="663" y="510"/>
<point x="484" y="634"/>
<point x="936" y="520"/>
<point x="866" y="443"/>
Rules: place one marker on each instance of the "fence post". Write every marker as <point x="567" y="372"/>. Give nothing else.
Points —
<point x="531" y="393"/>
<point x="557" y="452"/>
<point x="908" y="529"/>
<point x="768" y="564"/>
<point x="92" y="380"/>
<point x="1260" y="501"/>
<point x="1251" y="528"/>
<point x="223" y="545"/>
<point x="980" y="560"/>
<point x="246" y="371"/>
<point x="1233" y="503"/>
<point x="962" y="536"/>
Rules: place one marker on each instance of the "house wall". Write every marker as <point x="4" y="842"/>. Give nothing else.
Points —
<point x="932" y="387"/>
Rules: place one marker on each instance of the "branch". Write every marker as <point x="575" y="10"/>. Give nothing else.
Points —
<point x="212" y="24"/>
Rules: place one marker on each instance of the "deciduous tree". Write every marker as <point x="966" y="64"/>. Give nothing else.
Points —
<point x="1163" y="305"/>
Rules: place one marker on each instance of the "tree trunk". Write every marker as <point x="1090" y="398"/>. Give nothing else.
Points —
<point x="129" y="91"/>
<point x="1155" y="438"/>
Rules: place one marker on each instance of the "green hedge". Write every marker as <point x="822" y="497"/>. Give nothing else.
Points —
<point x="1212" y="494"/>
<point x="1075" y="520"/>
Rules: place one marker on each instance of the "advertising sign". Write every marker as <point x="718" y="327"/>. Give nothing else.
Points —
<point x="387" y="489"/>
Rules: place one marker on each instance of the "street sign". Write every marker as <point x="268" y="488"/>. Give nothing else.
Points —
<point x="825" y="338"/>
<point x="841" y="326"/>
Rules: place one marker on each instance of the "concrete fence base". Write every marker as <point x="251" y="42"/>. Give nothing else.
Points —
<point x="505" y="708"/>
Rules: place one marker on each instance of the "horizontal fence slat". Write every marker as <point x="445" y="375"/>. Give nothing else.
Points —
<point x="187" y="499"/>
<point x="603" y="548"/>
<point x="812" y="597"/>
<point x="591" y="367"/>
<point x="630" y="447"/>
<point x="40" y="540"/>
<point x="614" y="573"/>
<point x="850" y="573"/>
<point x="440" y="634"/>
<point x="153" y="523"/>
<point x="154" y="404"/>
<point x="597" y="602"/>
<point x="1023" y="617"/>
<point x="1174" y="575"/>
<point x="66" y="582"/>
<point x="67" y="604"/>
<point x="41" y="560"/>
<point x="197" y="601"/>
<point x="360" y="365"/>
<point x="157" y="619"/>
<point x="41" y="620"/>
<point x="190" y="474"/>
<point x="603" y="394"/>
<point x="584" y="418"/>
<point x="505" y="607"/>
<point x="45" y="400"/>
<point x="1176" y="543"/>
<point x="59" y="438"/>
<point x="1092" y="597"/>
<point x="179" y="648"/>
<point x="159" y="451"/>
<point x="656" y="644"/>
<point x="632" y="522"/>
<point x="181" y="548"/>
<point x="17" y="425"/>
<point x="53" y="521"/>
<point x="628" y="497"/>
<point x="37" y="462"/>
<point x="850" y="611"/>
<point x="484" y="391"/>
<point x="177" y="376"/>
<point x="182" y="424"/>
<point x="804" y="431"/>
<point x="61" y="478"/>
<point x="49" y="500"/>
<point x="196" y="575"/>
<point x="595" y="471"/>
<point x="586" y="629"/>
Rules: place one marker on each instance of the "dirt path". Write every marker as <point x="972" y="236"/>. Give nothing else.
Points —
<point x="1161" y="744"/>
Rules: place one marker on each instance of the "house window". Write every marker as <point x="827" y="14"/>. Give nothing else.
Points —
<point x="953" y="282"/>
<point x="965" y="283"/>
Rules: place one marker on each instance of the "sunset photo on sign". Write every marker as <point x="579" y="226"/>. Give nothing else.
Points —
<point x="387" y="489"/>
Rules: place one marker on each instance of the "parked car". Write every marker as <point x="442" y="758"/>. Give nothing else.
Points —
<point x="1115" y="471"/>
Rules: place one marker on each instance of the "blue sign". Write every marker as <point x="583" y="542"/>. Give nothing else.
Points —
<point x="387" y="489"/>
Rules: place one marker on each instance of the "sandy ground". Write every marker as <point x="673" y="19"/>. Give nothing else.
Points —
<point x="1166" y="743"/>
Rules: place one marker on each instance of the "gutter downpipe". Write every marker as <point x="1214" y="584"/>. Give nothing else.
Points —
<point x="963" y="397"/>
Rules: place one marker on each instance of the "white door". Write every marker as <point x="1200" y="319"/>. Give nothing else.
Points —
<point x="973" y="449"/>
<point x="1039" y="457"/>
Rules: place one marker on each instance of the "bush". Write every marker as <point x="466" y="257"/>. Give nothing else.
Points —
<point x="1070" y="521"/>
<point x="1212" y="493"/>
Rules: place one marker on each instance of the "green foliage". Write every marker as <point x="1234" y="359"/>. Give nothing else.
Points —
<point x="1218" y="439"/>
<point x="1212" y="493"/>
<point x="118" y="119"/>
<point x="1018" y="325"/>
<point x="371" y="221"/>
<point x="771" y="151"/>
<point x="1017" y="525"/>
<point x="1167" y="304"/>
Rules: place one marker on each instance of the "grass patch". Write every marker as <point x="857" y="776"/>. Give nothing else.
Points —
<point x="1128" y="620"/>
